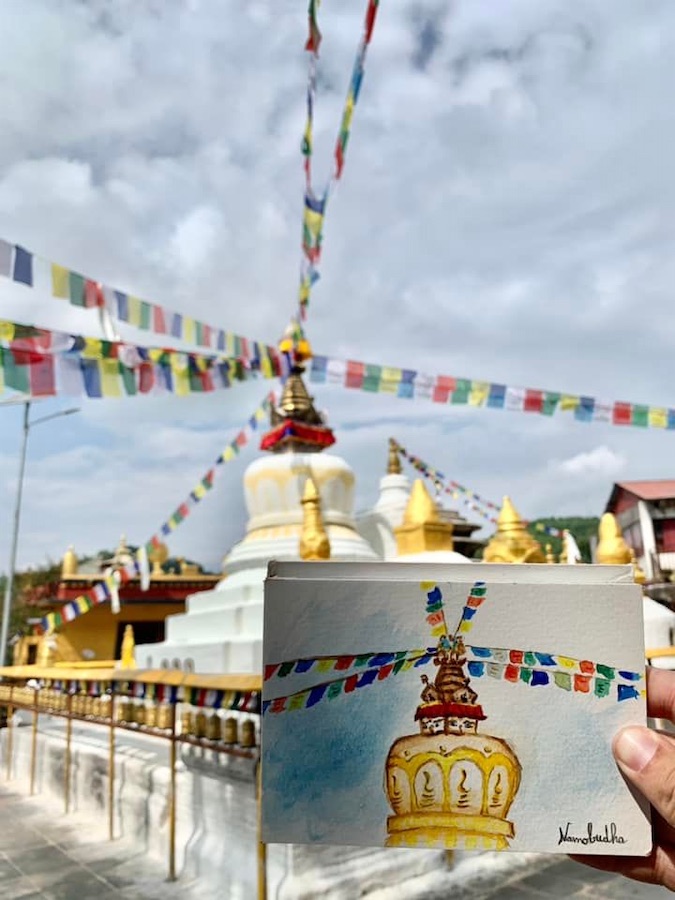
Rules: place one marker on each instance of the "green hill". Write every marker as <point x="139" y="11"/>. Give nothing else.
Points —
<point x="582" y="528"/>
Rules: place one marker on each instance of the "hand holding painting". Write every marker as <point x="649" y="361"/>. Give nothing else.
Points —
<point x="647" y="759"/>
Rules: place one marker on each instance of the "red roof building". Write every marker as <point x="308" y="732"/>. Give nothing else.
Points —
<point x="645" y="511"/>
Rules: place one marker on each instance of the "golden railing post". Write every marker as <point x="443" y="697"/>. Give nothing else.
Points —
<point x="172" y="795"/>
<point x="33" y="746"/>
<point x="10" y="732"/>
<point x="111" y="768"/>
<point x="262" y="848"/>
<point x="66" y="762"/>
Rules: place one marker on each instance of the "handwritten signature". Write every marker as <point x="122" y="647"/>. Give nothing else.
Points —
<point x="608" y="835"/>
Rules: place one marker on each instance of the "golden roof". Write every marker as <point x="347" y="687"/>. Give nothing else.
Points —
<point x="394" y="460"/>
<point x="512" y="542"/>
<point x="314" y="543"/>
<point x="422" y="530"/>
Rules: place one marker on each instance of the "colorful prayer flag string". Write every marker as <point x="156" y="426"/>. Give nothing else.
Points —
<point x="58" y="281"/>
<point x="475" y="599"/>
<point x="344" y="663"/>
<point x="533" y="658"/>
<point x="315" y="201"/>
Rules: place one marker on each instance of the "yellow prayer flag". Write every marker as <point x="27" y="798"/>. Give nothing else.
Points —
<point x="7" y="331"/>
<point x="567" y="662"/>
<point x="407" y="664"/>
<point x="298" y="700"/>
<point x="389" y="380"/>
<point x="567" y="401"/>
<point x="325" y="665"/>
<point x="266" y="368"/>
<point x="657" y="417"/>
<point x="134" y="311"/>
<point x="228" y="454"/>
<point x="93" y="349"/>
<point x="110" y="378"/>
<point x="427" y="585"/>
<point x="479" y="393"/>
<point x="60" y="282"/>
<point x="155" y="354"/>
<point x="189" y="330"/>
<point x="439" y="630"/>
<point x="465" y="627"/>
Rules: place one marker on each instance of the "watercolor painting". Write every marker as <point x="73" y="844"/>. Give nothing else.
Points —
<point x="472" y="737"/>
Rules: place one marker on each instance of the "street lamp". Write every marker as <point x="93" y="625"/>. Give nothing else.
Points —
<point x="7" y="605"/>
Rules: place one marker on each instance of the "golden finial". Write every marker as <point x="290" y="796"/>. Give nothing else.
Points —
<point x="394" y="461"/>
<point x="550" y="557"/>
<point x="512" y="542"/>
<point x="70" y="564"/>
<point x="157" y="557"/>
<point x="612" y="549"/>
<point x="314" y="543"/>
<point x="422" y="530"/>
<point x="128" y="660"/>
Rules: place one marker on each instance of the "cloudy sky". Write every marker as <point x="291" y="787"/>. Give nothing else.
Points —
<point x="506" y="213"/>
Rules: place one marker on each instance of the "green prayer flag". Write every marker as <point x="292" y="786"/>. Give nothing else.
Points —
<point x="362" y="660"/>
<point x="640" y="416"/>
<point x="146" y="315"/>
<point x="525" y="675"/>
<point x="16" y="376"/>
<point x="285" y="669"/>
<point x="461" y="391"/>
<point x="601" y="687"/>
<point x="606" y="671"/>
<point x="550" y="403"/>
<point x="76" y="289"/>
<point x="128" y="380"/>
<point x="530" y="659"/>
<point x="371" y="380"/>
<point x="563" y="680"/>
<point x="334" y="690"/>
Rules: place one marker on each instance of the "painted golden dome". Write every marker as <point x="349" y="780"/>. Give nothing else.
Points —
<point x="450" y="786"/>
<point x="512" y="543"/>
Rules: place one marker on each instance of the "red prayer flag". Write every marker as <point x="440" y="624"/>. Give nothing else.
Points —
<point x="350" y="683"/>
<point x="516" y="656"/>
<point x="344" y="662"/>
<point x="582" y="683"/>
<point x="371" y="14"/>
<point x="622" y="414"/>
<point x="158" y="320"/>
<point x="385" y="671"/>
<point x="512" y="673"/>
<point x="93" y="295"/>
<point x="42" y="383"/>
<point x="444" y="386"/>
<point x="146" y="377"/>
<point x="355" y="374"/>
<point x="534" y="401"/>
<point x="270" y="670"/>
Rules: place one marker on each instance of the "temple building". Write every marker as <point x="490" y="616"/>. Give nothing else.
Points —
<point x="98" y="635"/>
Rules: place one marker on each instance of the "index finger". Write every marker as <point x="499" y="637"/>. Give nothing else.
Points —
<point x="660" y="693"/>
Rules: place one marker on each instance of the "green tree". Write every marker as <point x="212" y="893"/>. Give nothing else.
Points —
<point x="582" y="528"/>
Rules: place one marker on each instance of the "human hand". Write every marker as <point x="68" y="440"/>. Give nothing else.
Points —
<point x="647" y="759"/>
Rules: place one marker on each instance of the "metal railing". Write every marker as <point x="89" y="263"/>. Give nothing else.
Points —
<point x="179" y="708"/>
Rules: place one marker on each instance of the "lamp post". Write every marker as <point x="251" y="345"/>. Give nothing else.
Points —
<point x="7" y="605"/>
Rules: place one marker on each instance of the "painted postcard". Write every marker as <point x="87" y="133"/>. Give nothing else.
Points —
<point x="473" y="710"/>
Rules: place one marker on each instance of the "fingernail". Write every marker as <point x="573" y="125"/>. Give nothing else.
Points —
<point x="634" y="747"/>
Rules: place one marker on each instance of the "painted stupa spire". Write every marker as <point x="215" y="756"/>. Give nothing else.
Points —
<point x="297" y="426"/>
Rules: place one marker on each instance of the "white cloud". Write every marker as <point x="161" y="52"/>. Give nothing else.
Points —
<point x="601" y="462"/>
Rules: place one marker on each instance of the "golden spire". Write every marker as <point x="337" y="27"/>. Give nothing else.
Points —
<point x="128" y="660"/>
<point x="314" y="543"/>
<point x="157" y="557"/>
<point x="612" y="548"/>
<point x="394" y="461"/>
<point x="550" y="557"/>
<point x="70" y="565"/>
<point x="512" y="543"/>
<point x="422" y="530"/>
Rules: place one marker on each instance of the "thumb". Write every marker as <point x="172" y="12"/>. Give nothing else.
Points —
<point x="647" y="759"/>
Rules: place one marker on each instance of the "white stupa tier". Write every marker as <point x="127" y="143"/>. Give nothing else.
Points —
<point x="221" y="631"/>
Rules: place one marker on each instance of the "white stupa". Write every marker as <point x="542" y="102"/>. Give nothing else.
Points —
<point x="221" y="631"/>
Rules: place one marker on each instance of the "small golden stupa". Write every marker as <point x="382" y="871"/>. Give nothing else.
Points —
<point x="422" y="529"/>
<point x="612" y="548"/>
<point x="128" y="656"/>
<point x="70" y="565"/>
<point x="157" y="556"/>
<point x="450" y="786"/>
<point x="512" y="542"/>
<point x="394" y="459"/>
<point x="314" y="543"/>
